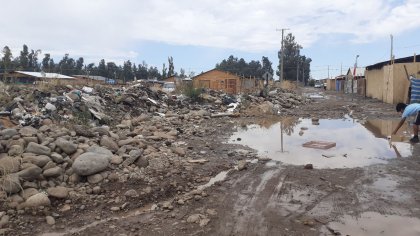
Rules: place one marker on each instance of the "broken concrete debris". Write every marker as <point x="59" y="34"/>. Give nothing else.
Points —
<point x="62" y="148"/>
<point x="319" y="145"/>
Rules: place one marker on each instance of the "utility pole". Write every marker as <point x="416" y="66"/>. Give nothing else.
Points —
<point x="282" y="54"/>
<point x="354" y="76"/>
<point x="297" y="75"/>
<point x="392" y="50"/>
<point x="328" y="71"/>
<point x="303" y="76"/>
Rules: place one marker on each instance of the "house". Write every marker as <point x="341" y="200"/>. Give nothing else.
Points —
<point x="225" y="81"/>
<point x="30" y="77"/>
<point x="177" y="80"/>
<point x="355" y="78"/>
<point x="172" y="78"/>
<point x="91" y="79"/>
<point x="336" y="83"/>
<point x="388" y="80"/>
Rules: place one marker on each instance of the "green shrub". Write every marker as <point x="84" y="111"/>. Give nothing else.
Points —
<point x="312" y="82"/>
<point x="192" y="93"/>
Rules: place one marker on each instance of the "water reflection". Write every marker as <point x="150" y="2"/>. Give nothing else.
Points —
<point x="373" y="223"/>
<point x="357" y="144"/>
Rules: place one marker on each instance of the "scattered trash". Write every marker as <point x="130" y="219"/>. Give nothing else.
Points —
<point x="87" y="89"/>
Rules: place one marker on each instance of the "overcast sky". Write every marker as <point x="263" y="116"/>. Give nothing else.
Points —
<point x="200" y="33"/>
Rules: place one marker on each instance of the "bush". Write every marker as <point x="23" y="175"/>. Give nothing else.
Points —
<point x="192" y="93"/>
<point x="312" y="82"/>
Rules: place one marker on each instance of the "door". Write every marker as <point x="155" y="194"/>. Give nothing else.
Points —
<point x="231" y="86"/>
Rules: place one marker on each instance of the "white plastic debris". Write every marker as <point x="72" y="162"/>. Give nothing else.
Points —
<point x="50" y="107"/>
<point x="232" y="106"/>
<point x="87" y="89"/>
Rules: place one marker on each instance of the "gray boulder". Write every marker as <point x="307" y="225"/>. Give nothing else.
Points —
<point x="58" y="192"/>
<point x="134" y="155"/>
<point x="28" y="131"/>
<point x="67" y="146"/>
<point x="9" y="165"/>
<point x="38" y="149"/>
<point x="30" y="173"/>
<point x="8" y="133"/>
<point x="53" y="172"/>
<point x="15" y="150"/>
<point x="100" y="150"/>
<point x="109" y="143"/>
<point x="37" y="160"/>
<point x="37" y="200"/>
<point x="90" y="163"/>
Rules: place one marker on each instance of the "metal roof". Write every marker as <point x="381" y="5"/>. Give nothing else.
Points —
<point x="360" y="71"/>
<point x="379" y="65"/>
<point x="43" y="75"/>
<point x="93" y="77"/>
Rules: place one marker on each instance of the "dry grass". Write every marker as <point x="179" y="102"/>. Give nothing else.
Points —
<point x="6" y="178"/>
<point x="48" y="85"/>
<point x="288" y="85"/>
<point x="4" y="94"/>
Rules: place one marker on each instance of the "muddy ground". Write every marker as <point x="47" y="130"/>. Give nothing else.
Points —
<point x="265" y="198"/>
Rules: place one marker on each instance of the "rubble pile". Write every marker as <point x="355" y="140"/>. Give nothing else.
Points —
<point x="278" y="101"/>
<point x="58" y="149"/>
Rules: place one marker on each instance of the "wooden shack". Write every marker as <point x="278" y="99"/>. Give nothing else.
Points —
<point x="388" y="81"/>
<point x="218" y="80"/>
<point x="230" y="83"/>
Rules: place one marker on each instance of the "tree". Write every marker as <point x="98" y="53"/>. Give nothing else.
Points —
<point x="254" y="69"/>
<point x="229" y="65"/>
<point x="111" y="70"/>
<point x="171" y="70"/>
<point x="135" y="71"/>
<point x="91" y="69"/>
<point x="127" y="71"/>
<point x="153" y="73"/>
<point x="164" y="69"/>
<point x="67" y="65"/>
<point x="52" y="66"/>
<point x="142" y="71"/>
<point x="293" y="60"/>
<point x="306" y="69"/>
<point x="45" y="63"/>
<point x="267" y="65"/>
<point x="6" y="59"/>
<point x="23" y="58"/>
<point x="79" y="66"/>
<point x="241" y="67"/>
<point x="33" y="60"/>
<point x="102" y="68"/>
<point x="182" y="73"/>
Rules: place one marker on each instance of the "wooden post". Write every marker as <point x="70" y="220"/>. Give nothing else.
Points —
<point x="407" y="91"/>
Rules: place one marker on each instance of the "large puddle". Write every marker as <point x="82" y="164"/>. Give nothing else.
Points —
<point x="375" y="224"/>
<point x="357" y="144"/>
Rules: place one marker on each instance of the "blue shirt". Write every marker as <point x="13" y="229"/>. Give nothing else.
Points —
<point x="411" y="110"/>
<point x="415" y="90"/>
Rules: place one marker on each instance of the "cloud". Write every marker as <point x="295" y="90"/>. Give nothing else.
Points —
<point x="111" y="29"/>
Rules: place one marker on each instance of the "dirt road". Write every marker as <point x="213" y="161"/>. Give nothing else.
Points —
<point x="377" y="195"/>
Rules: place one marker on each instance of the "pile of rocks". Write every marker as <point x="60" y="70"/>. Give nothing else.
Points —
<point x="278" y="101"/>
<point x="52" y="163"/>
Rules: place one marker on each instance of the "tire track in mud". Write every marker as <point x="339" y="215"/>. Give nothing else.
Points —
<point x="252" y="208"/>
